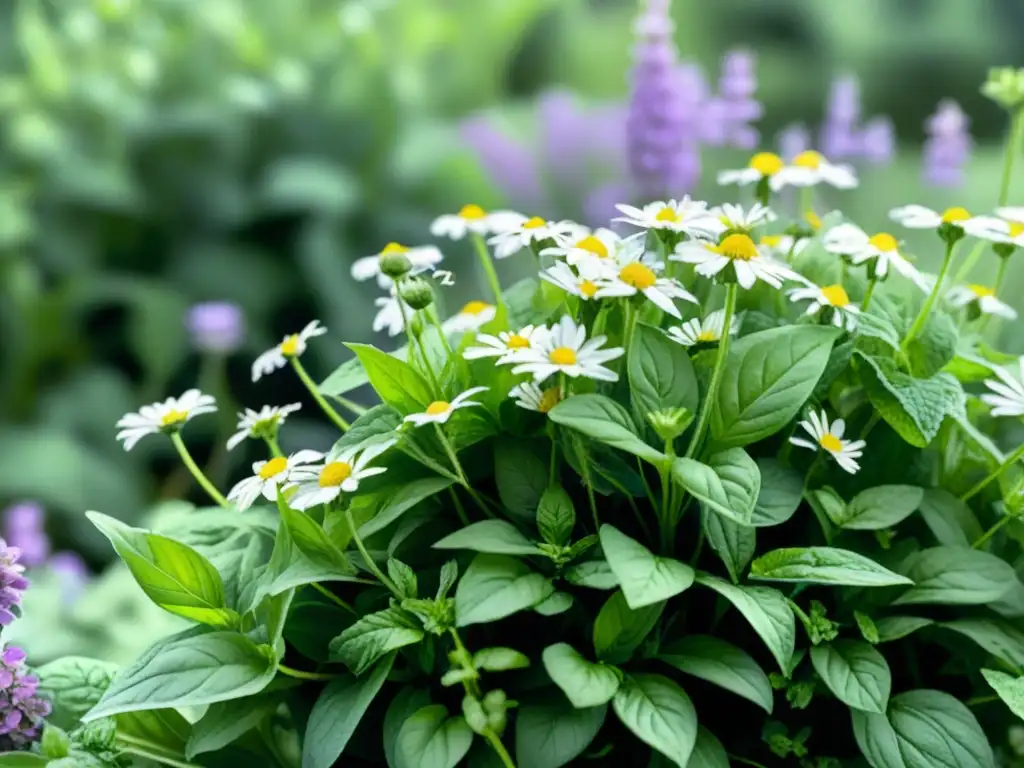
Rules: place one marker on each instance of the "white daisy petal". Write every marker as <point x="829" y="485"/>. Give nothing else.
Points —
<point x="167" y="417"/>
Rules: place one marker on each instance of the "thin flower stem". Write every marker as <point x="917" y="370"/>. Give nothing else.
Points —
<point x="197" y="473"/>
<point x="871" y="424"/>
<point x="806" y="201"/>
<point x="970" y="262"/>
<point x="499" y="748"/>
<point x="1013" y="141"/>
<point x="488" y="266"/>
<point x="716" y="374"/>
<point x="977" y="700"/>
<point x="868" y="294"/>
<point x="433" y="317"/>
<point x="553" y="468"/>
<point x="369" y="560"/>
<point x="929" y="303"/>
<point x="344" y="402"/>
<point x="464" y="657"/>
<point x="333" y="597"/>
<point x="300" y="675"/>
<point x="460" y="474"/>
<point x="991" y="532"/>
<point x="1008" y="462"/>
<point x="459" y="509"/>
<point x="272" y="445"/>
<point x="306" y="379"/>
<point x="842" y="272"/>
<point x="745" y="761"/>
<point x="414" y="342"/>
<point x="1004" y="262"/>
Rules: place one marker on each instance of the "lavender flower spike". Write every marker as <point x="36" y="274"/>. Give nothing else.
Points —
<point x="24" y="527"/>
<point x="948" y="146"/>
<point x="792" y="140"/>
<point x="735" y="108"/>
<point x="215" y="326"/>
<point x="840" y="138"/>
<point x="12" y="582"/>
<point x="22" y="710"/>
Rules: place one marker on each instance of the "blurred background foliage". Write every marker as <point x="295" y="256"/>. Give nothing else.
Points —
<point x="159" y="153"/>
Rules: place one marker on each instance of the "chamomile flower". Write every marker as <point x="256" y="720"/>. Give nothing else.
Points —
<point x="506" y="344"/>
<point x="270" y="476"/>
<point x="882" y="249"/>
<point x="830" y="438"/>
<point x="844" y="312"/>
<point x="531" y="231"/>
<point x="439" y="411"/>
<point x="472" y="219"/>
<point x="782" y="247"/>
<point x="738" y="252"/>
<point x="531" y="397"/>
<point x="471" y="317"/>
<point x="686" y="216"/>
<point x="323" y="483"/>
<point x="1007" y="397"/>
<point x="919" y="217"/>
<point x="762" y="166"/>
<point x="1011" y="226"/>
<point x="562" y="275"/>
<point x="167" y="417"/>
<point x="598" y="245"/>
<point x="291" y="346"/>
<point x="708" y="330"/>
<point x="389" y="315"/>
<point x="260" y="424"/>
<point x="635" y="272"/>
<point x="981" y="297"/>
<point x="566" y="350"/>
<point x="810" y="168"/>
<point x="421" y="258"/>
<point x="736" y="218"/>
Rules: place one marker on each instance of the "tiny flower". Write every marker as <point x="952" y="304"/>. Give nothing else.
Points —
<point x="25" y="529"/>
<point x="342" y="474"/>
<point x="845" y="452"/>
<point x="531" y="231"/>
<point x="708" y="330"/>
<point x="531" y="397"/>
<point x="291" y="346"/>
<point x="634" y="272"/>
<point x="1010" y="229"/>
<point x="566" y="350"/>
<point x="919" y="217"/>
<point x="738" y="252"/>
<point x="439" y="411"/>
<point x="389" y="315"/>
<point x="596" y="246"/>
<point x="981" y="297"/>
<point x="844" y="313"/>
<point x="1008" y="399"/>
<point x="809" y="169"/>
<point x="215" y="326"/>
<point x="763" y="165"/>
<point x="270" y="476"/>
<point x="420" y="258"/>
<point x="471" y="317"/>
<point x="505" y="345"/>
<point x="260" y="424"/>
<point x="167" y="417"/>
<point x="473" y="219"/>
<point x="562" y="275"/>
<point x="12" y="581"/>
<point x="24" y="710"/>
<point x="735" y="218"/>
<point x="881" y="249"/>
<point x="686" y="216"/>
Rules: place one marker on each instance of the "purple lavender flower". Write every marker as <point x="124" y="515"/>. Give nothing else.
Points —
<point x="948" y="146"/>
<point x="793" y="139"/>
<point x="731" y="112"/>
<point x="72" y="574"/>
<point x="12" y="582"/>
<point x="840" y="137"/>
<point x="216" y="326"/>
<point x="508" y="163"/>
<point x="22" y="710"/>
<point x="24" y="527"/>
<point x="562" y="126"/>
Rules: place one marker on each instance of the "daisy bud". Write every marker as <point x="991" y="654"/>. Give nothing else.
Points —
<point x="670" y="423"/>
<point x="393" y="261"/>
<point x="416" y="292"/>
<point x="1005" y="86"/>
<point x="1004" y="250"/>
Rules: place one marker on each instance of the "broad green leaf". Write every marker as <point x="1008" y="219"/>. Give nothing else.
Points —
<point x="391" y="503"/>
<point x="876" y="324"/>
<point x="934" y="347"/>
<point x="556" y="516"/>
<point x="522" y="478"/>
<point x="496" y="586"/>
<point x="619" y="630"/>
<point x="950" y="520"/>
<point x="432" y="739"/>
<point x="74" y="684"/>
<point x="855" y="672"/>
<point x="173" y="575"/>
<point x="881" y="507"/>
<point x="497" y="537"/>
<point x="596" y="574"/>
<point x="584" y="683"/>
<point x="404" y="578"/>
<point x="373" y="637"/>
<point x="346" y="377"/>
<point x="766" y="610"/>
<point x="226" y="721"/>
<point x="500" y="659"/>
<point x="553" y="735"/>
<point x="23" y="760"/>
<point x="828" y="506"/>
<point x="823" y="565"/>
<point x="733" y="543"/>
<point x="604" y="420"/>
<point x="660" y="714"/>
<point x="644" y="577"/>
<point x="1009" y="688"/>
<point x="396" y="382"/>
<point x="720" y="663"/>
<point x="160" y="735"/>
<point x="1000" y="638"/>
<point x="728" y="484"/>
<point x="554" y="604"/>
<point x="407" y="702"/>
<point x="708" y="752"/>
<point x="767" y="379"/>
<point x="660" y="373"/>
<point x="897" y="627"/>
<point x="955" y="576"/>
<point x="376" y="425"/>
<point x="338" y="710"/>
<point x="782" y="488"/>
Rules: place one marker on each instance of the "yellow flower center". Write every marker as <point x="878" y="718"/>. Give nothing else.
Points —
<point x="273" y="467"/>
<point x="393" y="248"/>
<point x="593" y="245"/>
<point x="738" y="247"/>
<point x="981" y="291"/>
<point x="830" y="442"/>
<point x="953" y="215"/>
<point x="809" y="159"/>
<point x="173" y="418"/>
<point x="766" y="163"/>
<point x="563" y="356"/>
<point x="535" y="223"/>
<point x="667" y="214"/>
<point x="475" y="308"/>
<point x="835" y="295"/>
<point x="588" y="289"/>
<point x="813" y="219"/>
<point x="334" y="474"/>
<point x="290" y="346"/>
<point x="515" y="341"/>
<point x="472" y="212"/>
<point x="883" y="241"/>
<point x="548" y="400"/>
<point x="638" y="276"/>
<point x="1016" y="229"/>
<point x="772" y="241"/>
<point x="707" y="335"/>
<point x="438" y="407"/>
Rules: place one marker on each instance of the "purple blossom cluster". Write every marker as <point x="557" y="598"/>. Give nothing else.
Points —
<point x="215" y="327"/>
<point x="25" y="543"/>
<point x="729" y="114"/>
<point x="844" y="136"/>
<point x="948" y="146"/>
<point x="12" y="582"/>
<point x="22" y="709"/>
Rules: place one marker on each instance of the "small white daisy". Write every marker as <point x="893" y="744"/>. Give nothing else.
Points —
<point x="782" y="247"/>
<point x="473" y="219"/>
<point x="422" y="258"/>
<point x="762" y="166"/>
<point x="1011" y="226"/>
<point x="389" y="314"/>
<point x="268" y="476"/>
<point x="1008" y="399"/>
<point x="562" y="275"/>
<point x="262" y="423"/>
<point x="810" y="168"/>
<point x="919" y="217"/>
<point x="291" y="346"/>
<point x="697" y="331"/>
<point x="845" y="452"/>
<point x="323" y="483"/>
<point x="471" y="317"/>
<point x="506" y="344"/>
<point x="634" y="272"/>
<point x="736" y="218"/>
<point x="687" y="216"/>
<point x="982" y="297"/>
<point x="530" y="231"/>
<point x="531" y="397"/>
<point x="736" y="250"/>
<point x="439" y="411"/>
<point x="566" y="350"/>
<point x="881" y="248"/>
<point x="587" y="247"/>
<point x="167" y="417"/>
<point x="844" y="313"/>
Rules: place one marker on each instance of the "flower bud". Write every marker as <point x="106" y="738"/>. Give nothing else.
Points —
<point x="1005" y="86"/>
<point x="670" y="423"/>
<point x="416" y="292"/>
<point x="393" y="261"/>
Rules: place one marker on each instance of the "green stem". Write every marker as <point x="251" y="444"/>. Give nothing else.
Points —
<point x="1007" y="463"/>
<point x="871" y="424"/>
<point x="488" y="266"/>
<point x="459" y="509"/>
<point x="553" y="468"/>
<point x="414" y="342"/>
<point x="306" y="379"/>
<point x="991" y="531"/>
<point x="433" y="317"/>
<point x="369" y="560"/>
<point x="1013" y="141"/>
<point x="300" y="675"/>
<point x="465" y="659"/>
<point x="806" y="201"/>
<point x="868" y="294"/>
<point x="272" y="444"/>
<point x="1004" y="262"/>
<point x="929" y="303"/>
<point x="982" y="700"/>
<point x="716" y="374"/>
<point x="842" y="272"/>
<point x="197" y="473"/>
<point x="499" y="748"/>
<point x="332" y="597"/>
<point x="460" y="474"/>
<point x="344" y="402"/>
<point x="970" y="262"/>
<point x="745" y="761"/>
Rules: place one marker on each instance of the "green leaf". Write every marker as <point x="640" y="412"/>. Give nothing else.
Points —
<point x="734" y="544"/>
<point x="823" y="565"/>
<point x="782" y="489"/>
<point x="934" y="346"/>
<point x="74" y="684"/>
<point x="373" y="637"/>
<point x="619" y="630"/>
<point x="188" y="670"/>
<point x="728" y="484"/>
<point x="500" y="659"/>
<point x="604" y="420"/>
<point x="227" y="721"/>
<point x="596" y="574"/>
<point x="555" y="516"/>
<point x="660" y="714"/>
<point x="950" y="520"/>
<point x="346" y="377"/>
<point x="867" y="627"/>
<point x="496" y="586"/>
<point x="1009" y="688"/>
<point x="522" y="478"/>
<point x="828" y="506"/>
<point x="376" y="425"/>
<point x="22" y="760"/>
<point x="173" y="575"/>
<point x="553" y="735"/>
<point x="391" y="503"/>
<point x="955" y="576"/>
<point x="767" y="611"/>
<point x="722" y="664"/>
<point x="855" y="672"/>
<point x="497" y="537"/>
<point x="337" y="712"/>
<point x="876" y="324"/>
<point x="897" y="627"/>
<point x="660" y="373"/>
<point x="404" y="578"/>
<point x="160" y="735"/>
<point x="554" y="604"/>
<point x="767" y="379"/>
<point x="584" y="683"/>
<point x="708" y="752"/>
<point x="431" y="739"/>
<point x="406" y="703"/>
<point x="645" y="578"/>
<point x="1000" y="638"/>
<point x="396" y="382"/>
<point x="881" y="507"/>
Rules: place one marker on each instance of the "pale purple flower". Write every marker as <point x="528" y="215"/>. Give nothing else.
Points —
<point x="599" y="204"/>
<point x="793" y="139"/>
<point x="22" y="709"/>
<point x="24" y="526"/>
<point x="72" y="575"/>
<point x="729" y="114"/>
<point x="215" y="326"/>
<point x="878" y="141"/>
<point x="948" y="146"/>
<point x="840" y="138"/>
<point x="12" y="582"/>
<point x="562" y="126"/>
<point x="508" y="163"/>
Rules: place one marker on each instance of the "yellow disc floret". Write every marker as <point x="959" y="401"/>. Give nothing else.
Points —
<point x="534" y="223"/>
<point x="548" y="400"/>
<point x="593" y="245"/>
<point x="173" y="418"/>
<point x="830" y="443"/>
<point x="766" y="163"/>
<point x="638" y="276"/>
<point x="738" y="247"/>
<point x="883" y="241"/>
<point x="563" y="356"/>
<point x="981" y="291"/>
<point x="394" y="248"/>
<point x="273" y="467"/>
<point x="588" y="288"/>
<point x="472" y="212"/>
<point x="438" y="407"/>
<point x="334" y="474"/>
<point x="475" y="308"/>
<point x="515" y="341"/>
<point x="669" y="214"/>
<point x="1016" y="229"/>
<point x="835" y="295"/>
<point x="953" y="215"/>
<point x="708" y="334"/>
<point x="290" y="346"/>
<point x="809" y="159"/>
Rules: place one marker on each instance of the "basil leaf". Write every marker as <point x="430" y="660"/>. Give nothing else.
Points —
<point x="823" y="565"/>
<point x="722" y="664"/>
<point x="645" y="578"/>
